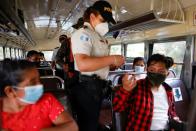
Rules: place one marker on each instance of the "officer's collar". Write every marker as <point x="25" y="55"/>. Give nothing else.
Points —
<point x="88" y="25"/>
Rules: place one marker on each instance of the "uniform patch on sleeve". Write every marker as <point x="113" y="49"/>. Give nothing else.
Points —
<point x="84" y="37"/>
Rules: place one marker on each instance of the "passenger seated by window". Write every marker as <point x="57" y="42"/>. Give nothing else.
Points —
<point x="139" y="68"/>
<point x="33" y="56"/>
<point x="148" y="102"/>
<point x="139" y="64"/>
<point x="41" y="56"/>
<point x="25" y="107"/>
<point x="42" y="60"/>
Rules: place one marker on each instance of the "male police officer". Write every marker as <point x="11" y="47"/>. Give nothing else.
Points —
<point x="90" y="51"/>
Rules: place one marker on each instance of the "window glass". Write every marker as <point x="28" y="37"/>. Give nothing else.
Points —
<point x="135" y="50"/>
<point x="1" y="53"/>
<point x="16" y="52"/>
<point x="7" y="52"/>
<point x="176" y="50"/>
<point x="115" y="50"/>
<point x="13" y="53"/>
<point x="48" y="55"/>
<point x="20" y="54"/>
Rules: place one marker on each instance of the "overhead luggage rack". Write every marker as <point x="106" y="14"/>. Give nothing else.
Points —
<point x="7" y="12"/>
<point x="160" y="14"/>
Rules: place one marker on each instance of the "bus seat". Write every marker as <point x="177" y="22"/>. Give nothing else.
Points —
<point x="52" y="83"/>
<point x="119" y="121"/>
<point x="128" y="66"/>
<point x="182" y="98"/>
<point x="55" y="85"/>
<point x="115" y="80"/>
<point x="105" y="117"/>
<point x="192" y="114"/>
<point x="171" y="74"/>
<point x="45" y="71"/>
<point x="118" y="118"/>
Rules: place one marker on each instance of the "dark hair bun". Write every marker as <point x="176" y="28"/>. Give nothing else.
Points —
<point x="169" y="61"/>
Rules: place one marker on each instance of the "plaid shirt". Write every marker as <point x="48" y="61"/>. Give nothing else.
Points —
<point x="139" y="105"/>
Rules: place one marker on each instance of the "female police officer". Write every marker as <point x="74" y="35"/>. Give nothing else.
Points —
<point x="90" y="51"/>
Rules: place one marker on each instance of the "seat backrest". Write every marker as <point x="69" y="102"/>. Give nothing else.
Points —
<point x="52" y="84"/>
<point x="128" y="66"/>
<point x="192" y="114"/>
<point x="45" y="71"/>
<point x="171" y="74"/>
<point x="181" y="97"/>
<point x="119" y="119"/>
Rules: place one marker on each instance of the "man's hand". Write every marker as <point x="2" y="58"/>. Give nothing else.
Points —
<point x="129" y="83"/>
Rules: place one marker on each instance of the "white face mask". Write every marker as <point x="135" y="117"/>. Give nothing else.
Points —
<point x="102" y="28"/>
<point x="139" y="69"/>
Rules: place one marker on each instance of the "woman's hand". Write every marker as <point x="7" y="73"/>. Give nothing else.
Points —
<point x="129" y="82"/>
<point x="118" y="60"/>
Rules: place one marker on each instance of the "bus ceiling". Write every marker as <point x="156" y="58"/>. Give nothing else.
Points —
<point x="47" y="19"/>
<point x="8" y="14"/>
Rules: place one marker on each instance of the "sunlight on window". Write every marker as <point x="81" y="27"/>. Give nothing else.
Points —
<point x="13" y="53"/>
<point x="48" y="55"/>
<point x="43" y="21"/>
<point x="176" y="50"/>
<point x="135" y="50"/>
<point x="7" y="52"/>
<point x="115" y="50"/>
<point x="1" y="53"/>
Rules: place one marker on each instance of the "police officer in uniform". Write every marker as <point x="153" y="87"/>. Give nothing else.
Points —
<point x="90" y="50"/>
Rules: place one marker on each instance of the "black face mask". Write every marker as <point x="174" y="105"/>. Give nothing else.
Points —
<point x="156" y="79"/>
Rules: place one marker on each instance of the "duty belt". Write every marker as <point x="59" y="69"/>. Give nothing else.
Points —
<point x="83" y="78"/>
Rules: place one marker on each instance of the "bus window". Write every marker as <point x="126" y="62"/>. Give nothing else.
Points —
<point x="13" y="53"/>
<point x="20" y="54"/>
<point x="16" y="52"/>
<point x="1" y="53"/>
<point x="7" y="52"/>
<point x="48" y="55"/>
<point x="115" y="50"/>
<point x="176" y="50"/>
<point x="135" y="50"/>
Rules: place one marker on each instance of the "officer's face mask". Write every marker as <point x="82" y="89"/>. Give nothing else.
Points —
<point x="139" y="69"/>
<point x="32" y="93"/>
<point x="156" y="79"/>
<point x="102" y="28"/>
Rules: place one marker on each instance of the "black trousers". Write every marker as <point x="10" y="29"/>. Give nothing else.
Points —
<point x="86" y="106"/>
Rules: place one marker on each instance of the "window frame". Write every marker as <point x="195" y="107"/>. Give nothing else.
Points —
<point x="126" y="46"/>
<point x="167" y="40"/>
<point x="116" y="45"/>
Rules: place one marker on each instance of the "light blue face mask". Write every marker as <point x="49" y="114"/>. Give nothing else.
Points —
<point x="139" y="69"/>
<point x="32" y="94"/>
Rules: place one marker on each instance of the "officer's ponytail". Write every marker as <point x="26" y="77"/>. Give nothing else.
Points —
<point x="89" y="10"/>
